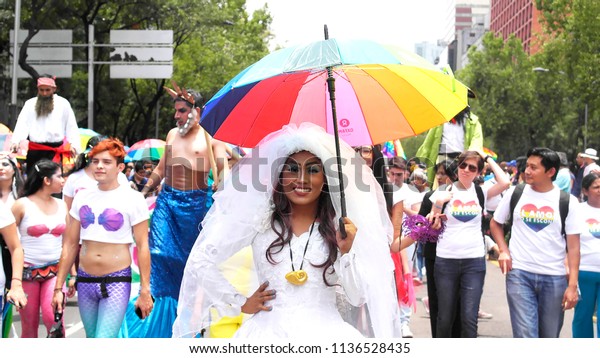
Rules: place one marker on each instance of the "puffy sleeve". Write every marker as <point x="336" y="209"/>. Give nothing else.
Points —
<point x="206" y="295"/>
<point x="349" y="278"/>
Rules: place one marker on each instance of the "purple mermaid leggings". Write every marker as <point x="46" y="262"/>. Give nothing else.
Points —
<point x="102" y="316"/>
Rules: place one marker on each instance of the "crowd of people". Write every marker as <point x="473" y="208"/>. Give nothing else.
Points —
<point x="317" y="266"/>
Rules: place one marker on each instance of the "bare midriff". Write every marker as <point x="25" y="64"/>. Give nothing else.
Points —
<point x="100" y="258"/>
<point x="183" y="178"/>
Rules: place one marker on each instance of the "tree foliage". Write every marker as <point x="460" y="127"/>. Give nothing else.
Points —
<point x="539" y="100"/>
<point x="213" y="41"/>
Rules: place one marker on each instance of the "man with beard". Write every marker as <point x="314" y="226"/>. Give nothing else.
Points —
<point x="181" y="205"/>
<point x="46" y="120"/>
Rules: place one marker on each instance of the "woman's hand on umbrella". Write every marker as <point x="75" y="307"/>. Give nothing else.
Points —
<point x="256" y="302"/>
<point x="345" y="244"/>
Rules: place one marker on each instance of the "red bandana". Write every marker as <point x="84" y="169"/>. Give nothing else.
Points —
<point x="45" y="81"/>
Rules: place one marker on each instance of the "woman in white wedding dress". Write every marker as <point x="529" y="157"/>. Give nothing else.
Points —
<point x="284" y="201"/>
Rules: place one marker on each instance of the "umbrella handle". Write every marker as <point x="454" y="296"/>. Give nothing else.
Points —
<point x="343" y="233"/>
<point x="211" y="158"/>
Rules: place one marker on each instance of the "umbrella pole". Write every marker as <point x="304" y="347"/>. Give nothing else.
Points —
<point x="331" y="88"/>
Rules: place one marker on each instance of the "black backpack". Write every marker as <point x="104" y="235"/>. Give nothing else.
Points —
<point x="563" y="208"/>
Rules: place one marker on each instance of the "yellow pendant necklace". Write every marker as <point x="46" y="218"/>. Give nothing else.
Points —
<point x="299" y="277"/>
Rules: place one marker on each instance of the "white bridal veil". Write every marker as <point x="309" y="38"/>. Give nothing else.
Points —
<point x="242" y="209"/>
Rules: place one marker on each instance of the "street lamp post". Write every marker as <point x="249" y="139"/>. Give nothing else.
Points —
<point x="15" y="79"/>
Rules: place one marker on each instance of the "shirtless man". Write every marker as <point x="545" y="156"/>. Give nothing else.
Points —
<point x="183" y="201"/>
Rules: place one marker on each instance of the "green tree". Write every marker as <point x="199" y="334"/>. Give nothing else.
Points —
<point x="501" y="76"/>
<point x="213" y="40"/>
<point x="572" y="55"/>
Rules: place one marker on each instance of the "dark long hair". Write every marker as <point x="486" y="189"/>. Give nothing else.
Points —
<point x="378" y="168"/>
<point x="35" y="180"/>
<point x="17" y="182"/>
<point x="281" y="225"/>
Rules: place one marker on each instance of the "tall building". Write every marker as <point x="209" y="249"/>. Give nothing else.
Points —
<point x="518" y="17"/>
<point x="429" y="51"/>
<point x="466" y="22"/>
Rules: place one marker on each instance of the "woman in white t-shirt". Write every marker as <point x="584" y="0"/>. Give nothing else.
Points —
<point x="41" y="219"/>
<point x="589" y="265"/>
<point x="460" y="255"/>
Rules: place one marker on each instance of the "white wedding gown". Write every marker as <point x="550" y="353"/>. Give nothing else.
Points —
<point x="308" y="310"/>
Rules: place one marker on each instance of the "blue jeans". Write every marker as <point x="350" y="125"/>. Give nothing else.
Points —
<point x="583" y="324"/>
<point x="458" y="279"/>
<point x="535" y="303"/>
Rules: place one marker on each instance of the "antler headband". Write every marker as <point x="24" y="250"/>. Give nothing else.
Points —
<point x="180" y="93"/>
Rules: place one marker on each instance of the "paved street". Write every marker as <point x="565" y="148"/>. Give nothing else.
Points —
<point x="493" y="301"/>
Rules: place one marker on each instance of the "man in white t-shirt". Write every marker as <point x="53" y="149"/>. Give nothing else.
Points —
<point x="401" y="207"/>
<point x="538" y="286"/>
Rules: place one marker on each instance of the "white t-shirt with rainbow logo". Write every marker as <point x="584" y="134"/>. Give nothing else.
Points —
<point x="590" y="238"/>
<point x="536" y="244"/>
<point x="462" y="238"/>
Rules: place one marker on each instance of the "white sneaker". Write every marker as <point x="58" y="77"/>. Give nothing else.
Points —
<point x="484" y="315"/>
<point x="425" y="301"/>
<point x="406" y="332"/>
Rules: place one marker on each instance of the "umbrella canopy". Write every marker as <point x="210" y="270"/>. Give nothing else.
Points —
<point x="5" y="139"/>
<point x="382" y="93"/>
<point x="151" y="149"/>
<point x="85" y="134"/>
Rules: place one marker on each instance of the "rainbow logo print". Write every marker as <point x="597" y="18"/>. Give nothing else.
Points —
<point x="594" y="227"/>
<point x="537" y="218"/>
<point x="464" y="211"/>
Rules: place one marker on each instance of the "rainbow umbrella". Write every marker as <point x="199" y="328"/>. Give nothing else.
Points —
<point x="393" y="148"/>
<point x="5" y="140"/>
<point x="150" y="149"/>
<point x="85" y="134"/>
<point x="381" y="93"/>
<point x="371" y="92"/>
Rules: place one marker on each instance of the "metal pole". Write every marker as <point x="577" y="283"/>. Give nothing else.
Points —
<point x="157" y="117"/>
<point x="15" y="80"/>
<point x="585" y="128"/>
<point x="91" y="77"/>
